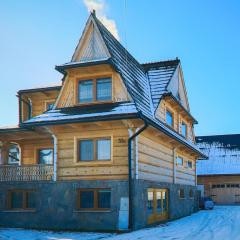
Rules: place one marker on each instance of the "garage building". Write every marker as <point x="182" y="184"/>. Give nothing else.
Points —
<point x="220" y="174"/>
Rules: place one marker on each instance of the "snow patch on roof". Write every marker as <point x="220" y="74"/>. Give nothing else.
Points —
<point x="223" y="159"/>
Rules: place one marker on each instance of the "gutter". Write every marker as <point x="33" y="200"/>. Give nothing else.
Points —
<point x="130" y="194"/>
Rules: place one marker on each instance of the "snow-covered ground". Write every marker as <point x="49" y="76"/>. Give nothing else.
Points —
<point x="222" y="223"/>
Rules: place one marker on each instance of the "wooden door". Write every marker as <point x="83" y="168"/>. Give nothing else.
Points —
<point x="157" y="205"/>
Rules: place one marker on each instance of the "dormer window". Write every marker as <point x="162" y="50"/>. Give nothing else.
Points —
<point x="184" y="129"/>
<point x="95" y="90"/>
<point x="169" y="118"/>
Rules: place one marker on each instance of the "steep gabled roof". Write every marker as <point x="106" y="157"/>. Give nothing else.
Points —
<point x="159" y="75"/>
<point x="133" y="74"/>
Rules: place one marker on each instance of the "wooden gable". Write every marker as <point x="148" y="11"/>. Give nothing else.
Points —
<point x="91" y="45"/>
<point x="177" y="87"/>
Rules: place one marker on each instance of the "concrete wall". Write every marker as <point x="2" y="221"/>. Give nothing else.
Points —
<point x="177" y="207"/>
<point x="56" y="206"/>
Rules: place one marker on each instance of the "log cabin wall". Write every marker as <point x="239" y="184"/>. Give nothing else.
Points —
<point x="39" y="102"/>
<point x="68" y="97"/>
<point x="177" y="118"/>
<point x="156" y="161"/>
<point x="69" y="168"/>
<point x="29" y="149"/>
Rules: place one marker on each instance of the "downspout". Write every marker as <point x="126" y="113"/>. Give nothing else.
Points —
<point x="174" y="165"/>
<point x="55" y="154"/>
<point x="131" y="138"/>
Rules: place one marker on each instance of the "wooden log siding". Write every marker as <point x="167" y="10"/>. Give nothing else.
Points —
<point x="155" y="161"/>
<point x="69" y="168"/>
<point x="39" y="100"/>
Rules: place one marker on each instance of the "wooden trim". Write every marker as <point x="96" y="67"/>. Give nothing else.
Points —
<point x="25" y="199"/>
<point x="95" y="199"/>
<point x="95" y="161"/>
<point x="94" y="78"/>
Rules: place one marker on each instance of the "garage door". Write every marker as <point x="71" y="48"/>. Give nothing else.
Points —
<point x="226" y="193"/>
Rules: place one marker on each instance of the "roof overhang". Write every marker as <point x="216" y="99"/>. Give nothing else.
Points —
<point x="21" y="133"/>
<point x="176" y="136"/>
<point x="62" y="68"/>
<point x="181" y="108"/>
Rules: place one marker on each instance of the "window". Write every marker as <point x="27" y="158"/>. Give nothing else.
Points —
<point x="190" y="193"/>
<point x="85" y="91"/>
<point x="94" y="199"/>
<point x="13" y="154"/>
<point x="184" y="129"/>
<point x="45" y="156"/>
<point x="189" y="164"/>
<point x="150" y="201"/>
<point x="95" y="149"/>
<point x="179" y="161"/>
<point x="50" y="106"/>
<point x="181" y="193"/>
<point x="169" y="118"/>
<point x="104" y="89"/>
<point x="95" y="90"/>
<point x="22" y="200"/>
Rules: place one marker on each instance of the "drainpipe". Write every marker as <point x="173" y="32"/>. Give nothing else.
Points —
<point x="174" y="165"/>
<point x="55" y="153"/>
<point x="130" y="140"/>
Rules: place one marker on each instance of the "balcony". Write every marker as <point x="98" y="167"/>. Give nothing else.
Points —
<point x="40" y="172"/>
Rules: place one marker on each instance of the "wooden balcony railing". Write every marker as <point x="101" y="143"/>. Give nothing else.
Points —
<point x="40" y="172"/>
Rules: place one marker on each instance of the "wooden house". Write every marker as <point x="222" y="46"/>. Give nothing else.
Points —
<point x="220" y="174"/>
<point x="110" y="148"/>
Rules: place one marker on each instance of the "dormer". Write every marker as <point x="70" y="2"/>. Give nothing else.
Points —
<point x="170" y="96"/>
<point x="90" y="78"/>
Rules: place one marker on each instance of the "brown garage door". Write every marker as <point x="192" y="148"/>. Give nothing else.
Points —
<point x="226" y="193"/>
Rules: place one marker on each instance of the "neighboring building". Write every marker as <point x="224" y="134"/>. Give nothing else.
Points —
<point x="112" y="148"/>
<point x="220" y="174"/>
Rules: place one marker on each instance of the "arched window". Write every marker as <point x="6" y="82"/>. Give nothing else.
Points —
<point x="14" y="154"/>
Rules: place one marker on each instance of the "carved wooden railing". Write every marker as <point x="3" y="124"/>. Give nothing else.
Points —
<point x="40" y="172"/>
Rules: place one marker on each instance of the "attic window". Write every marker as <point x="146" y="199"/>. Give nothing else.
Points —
<point x="169" y="118"/>
<point x="95" y="90"/>
<point x="184" y="129"/>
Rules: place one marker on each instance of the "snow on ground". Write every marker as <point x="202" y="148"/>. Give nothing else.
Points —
<point x="222" y="223"/>
<point x="20" y="234"/>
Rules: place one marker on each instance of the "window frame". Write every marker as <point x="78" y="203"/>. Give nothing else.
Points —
<point x="181" y="165"/>
<point x="94" y="79"/>
<point x="172" y="114"/>
<point x="191" y="194"/>
<point x="187" y="164"/>
<point x="95" y="199"/>
<point x="184" y="123"/>
<point x="181" y="196"/>
<point x="24" y="204"/>
<point x="95" y="150"/>
<point x="38" y="155"/>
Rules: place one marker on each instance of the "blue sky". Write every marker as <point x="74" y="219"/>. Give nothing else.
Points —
<point x="37" y="35"/>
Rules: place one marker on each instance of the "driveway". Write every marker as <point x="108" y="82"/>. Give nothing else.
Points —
<point x="222" y="223"/>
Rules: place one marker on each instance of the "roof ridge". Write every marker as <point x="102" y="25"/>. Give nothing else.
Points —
<point x="162" y="63"/>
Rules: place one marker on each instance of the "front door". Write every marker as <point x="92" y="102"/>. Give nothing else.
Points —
<point x="157" y="205"/>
